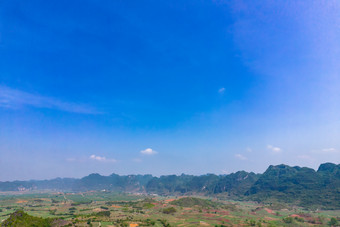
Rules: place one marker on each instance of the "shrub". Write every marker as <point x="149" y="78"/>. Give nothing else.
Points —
<point x="299" y="219"/>
<point x="252" y="222"/>
<point x="104" y="213"/>
<point x="169" y="210"/>
<point x="288" y="220"/>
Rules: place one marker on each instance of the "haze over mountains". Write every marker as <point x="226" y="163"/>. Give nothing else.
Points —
<point x="297" y="185"/>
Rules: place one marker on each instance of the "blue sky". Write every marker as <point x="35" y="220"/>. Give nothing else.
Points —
<point x="167" y="87"/>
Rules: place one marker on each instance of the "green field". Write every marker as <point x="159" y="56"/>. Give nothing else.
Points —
<point x="120" y="209"/>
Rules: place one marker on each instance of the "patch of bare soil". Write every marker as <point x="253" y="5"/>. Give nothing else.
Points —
<point x="21" y="201"/>
<point x="269" y="211"/>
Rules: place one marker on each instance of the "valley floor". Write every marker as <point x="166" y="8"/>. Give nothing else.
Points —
<point x="118" y="209"/>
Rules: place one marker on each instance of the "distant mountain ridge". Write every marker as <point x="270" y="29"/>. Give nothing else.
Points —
<point x="281" y="183"/>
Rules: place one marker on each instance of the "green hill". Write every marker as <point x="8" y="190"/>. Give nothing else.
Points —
<point x="301" y="186"/>
<point x="193" y="201"/>
<point x="22" y="219"/>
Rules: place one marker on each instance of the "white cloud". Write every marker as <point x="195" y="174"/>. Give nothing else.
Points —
<point x="101" y="159"/>
<point x="14" y="99"/>
<point x="137" y="160"/>
<point x="329" y="150"/>
<point x="248" y="149"/>
<point x="221" y="90"/>
<point x="148" y="151"/>
<point x="241" y="157"/>
<point x="274" y="149"/>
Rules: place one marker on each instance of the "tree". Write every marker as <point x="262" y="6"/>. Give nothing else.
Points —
<point x="169" y="210"/>
<point x="333" y="222"/>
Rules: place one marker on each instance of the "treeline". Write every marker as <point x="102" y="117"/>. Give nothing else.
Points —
<point x="298" y="185"/>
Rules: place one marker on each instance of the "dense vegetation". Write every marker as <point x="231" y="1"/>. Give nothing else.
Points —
<point x="298" y="185"/>
<point x="301" y="186"/>
<point x="192" y="201"/>
<point x="233" y="184"/>
<point x="20" y="218"/>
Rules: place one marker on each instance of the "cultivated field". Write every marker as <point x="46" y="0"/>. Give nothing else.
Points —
<point x="118" y="209"/>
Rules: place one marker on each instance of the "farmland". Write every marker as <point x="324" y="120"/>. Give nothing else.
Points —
<point x="104" y="208"/>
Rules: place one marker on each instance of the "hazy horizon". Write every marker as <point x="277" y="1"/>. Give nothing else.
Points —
<point x="168" y="87"/>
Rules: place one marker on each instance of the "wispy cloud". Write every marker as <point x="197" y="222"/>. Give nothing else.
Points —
<point x="248" y="149"/>
<point x="221" y="90"/>
<point x="101" y="159"/>
<point x="241" y="157"/>
<point x="148" y="151"/>
<point x="330" y="150"/>
<point x="274" y="149"/>
<point x="15" y="99"/>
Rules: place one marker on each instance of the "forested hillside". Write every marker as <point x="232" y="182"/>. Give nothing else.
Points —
<point x="302" y="186"/>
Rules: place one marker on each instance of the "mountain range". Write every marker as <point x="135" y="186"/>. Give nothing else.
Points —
<point x="281" y="183"/>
